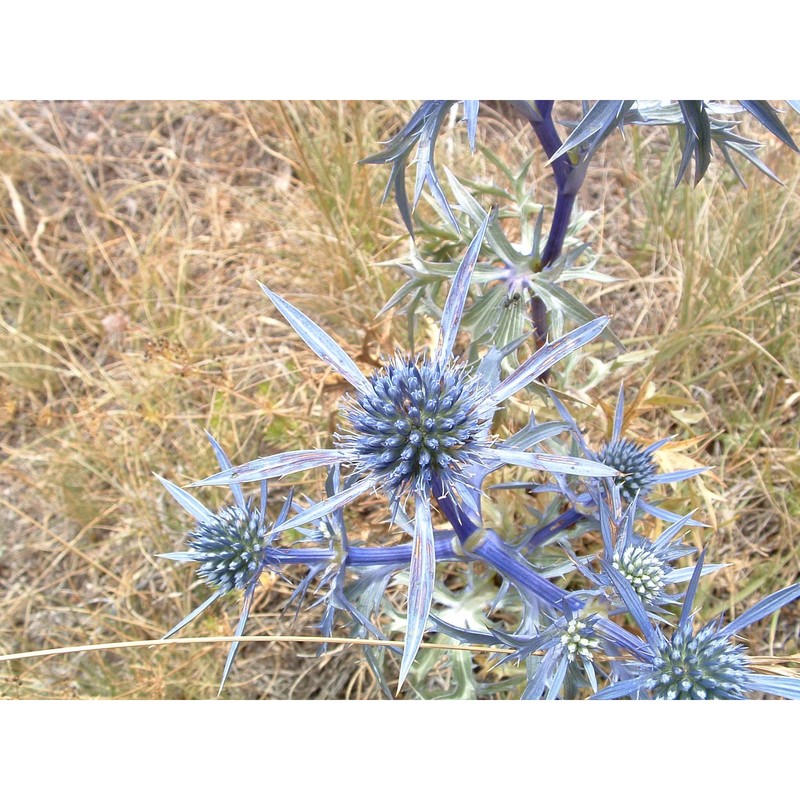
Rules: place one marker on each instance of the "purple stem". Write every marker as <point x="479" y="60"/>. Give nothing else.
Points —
<point x="566" y="520"/>
<point x="494" y="551"/>
<point x="463" y="525"/>
<point x="511" y="565"/>
<point x="401" y="554"/>
<point x="565" y="202"/>
<point x="548" y="137"/>
<point x="491" y="549"/>
<point x="397" y="555"/>
<point x="566" y="192"/>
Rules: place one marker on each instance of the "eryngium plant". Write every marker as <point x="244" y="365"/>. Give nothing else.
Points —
<point x="423" y="432"/>
<point x="418" y="430"/>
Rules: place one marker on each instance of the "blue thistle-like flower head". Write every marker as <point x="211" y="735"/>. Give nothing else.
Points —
<point x="636" y="465"/>
<point x="707" y="665"/>
<point x="232" y="546"/>
<point x="701" y="666"/>
<point x="579" y="638"/>
<point x="562" y="655"/>
<point x="638" y="472"/>
<point x="647" y="566"/>
<point x="644" y="567"/>
<point x="418" y="425"/>
<point x="229" y="546"/>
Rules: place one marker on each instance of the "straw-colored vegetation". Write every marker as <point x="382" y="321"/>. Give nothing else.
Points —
<point x="133" y="235"/>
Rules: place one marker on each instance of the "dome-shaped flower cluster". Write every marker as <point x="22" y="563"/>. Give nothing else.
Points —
<point x="643" y="568"/>
<point x="635" y="465"/>
<point x="702" y="666"/>
<point x="418" y="425"/>
<point x="579" y="639"/>
<point x="229" y="547"/>
<point x="707" y="665"/>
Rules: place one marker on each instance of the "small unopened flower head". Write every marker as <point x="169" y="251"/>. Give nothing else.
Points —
<point x="705" y="666"/>
<point x="229" y="546"/>
<point x="643" y="568"/>
<point x="579" y="639"/>
<point x="636" y="465"/>
<point x="417" y="425"/>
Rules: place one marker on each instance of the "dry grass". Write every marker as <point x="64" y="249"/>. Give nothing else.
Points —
<point x="133" y="235"/>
